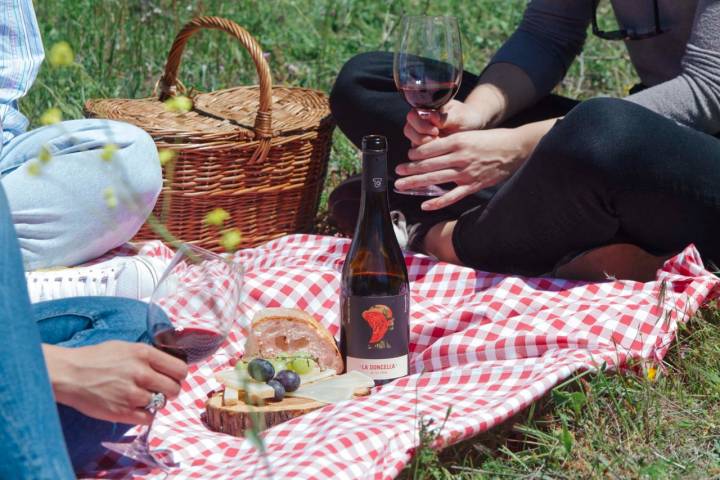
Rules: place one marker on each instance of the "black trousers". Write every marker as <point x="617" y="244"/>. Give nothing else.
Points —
<point x="610" y="171"/>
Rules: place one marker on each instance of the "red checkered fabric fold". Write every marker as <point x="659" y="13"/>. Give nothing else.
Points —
<point x="484" y="345"/>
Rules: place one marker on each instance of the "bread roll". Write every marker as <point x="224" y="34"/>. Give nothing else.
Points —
<point x="286" y="331"/>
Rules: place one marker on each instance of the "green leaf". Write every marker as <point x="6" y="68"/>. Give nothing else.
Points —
<point x="566" y="438"/>
<point x="578" y="401"/>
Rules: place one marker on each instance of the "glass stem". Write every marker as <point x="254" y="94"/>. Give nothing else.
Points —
<point x="145" y="435"/>
<point x="424" y="112"/>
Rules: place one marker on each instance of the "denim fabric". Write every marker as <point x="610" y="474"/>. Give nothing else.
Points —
<point x="30" y="434"/>
<point x="34" y="430"/>
<point x="61" y="215"/>
<point x="82" y="321"/>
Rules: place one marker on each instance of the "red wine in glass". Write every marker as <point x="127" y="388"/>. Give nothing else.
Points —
<point x="428" y="95"/>
<point x="428" y="69"/>
<point x="188" y="344"/>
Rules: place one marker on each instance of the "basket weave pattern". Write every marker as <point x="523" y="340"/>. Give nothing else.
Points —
<point x="259" y="152"/>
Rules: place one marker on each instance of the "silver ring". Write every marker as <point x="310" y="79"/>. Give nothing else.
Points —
<point x="157" y="401"/>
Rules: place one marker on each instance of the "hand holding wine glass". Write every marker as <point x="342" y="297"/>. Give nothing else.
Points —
<point x="189" y="316"/>
<point x="455" y="116"/>
<point x="428" y="69"/>
<point x="113" y="380"/>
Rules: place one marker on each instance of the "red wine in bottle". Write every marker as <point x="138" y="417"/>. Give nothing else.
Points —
<point x="375" y="295"/>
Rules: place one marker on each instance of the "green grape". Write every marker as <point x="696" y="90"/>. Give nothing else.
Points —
<point x="278" y="364"/>
<point x="241" y="366"/>
<point x="302" y="366"/>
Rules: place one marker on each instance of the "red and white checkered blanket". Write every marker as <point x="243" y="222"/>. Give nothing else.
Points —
<point x="482" y="344"/>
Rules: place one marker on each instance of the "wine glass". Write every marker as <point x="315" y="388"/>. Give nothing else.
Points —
<point x="189" y="316"/>
<point x="428" y="69"/>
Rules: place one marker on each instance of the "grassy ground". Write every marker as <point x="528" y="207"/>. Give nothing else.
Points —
<point x="604" y="426"/>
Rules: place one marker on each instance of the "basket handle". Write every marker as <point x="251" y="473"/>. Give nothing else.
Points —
<point x="168" y="82"/>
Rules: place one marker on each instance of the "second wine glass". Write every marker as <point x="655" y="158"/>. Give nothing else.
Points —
<point x="190" y="314"/>
<point x="428" y="68"/>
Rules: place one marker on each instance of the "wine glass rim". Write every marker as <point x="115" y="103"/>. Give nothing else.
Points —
<point x="431" y="17"/>
<point x="189" y="246"/>
<point x="227" y="259"/>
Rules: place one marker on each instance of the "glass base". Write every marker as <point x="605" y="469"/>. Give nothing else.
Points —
<point x="429" y="191"/>
<point x="139" y="451"/>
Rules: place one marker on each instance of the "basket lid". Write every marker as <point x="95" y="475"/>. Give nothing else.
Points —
<point x="293" y="109"/>
<point x="151" y="115"/>
<point x="253" y="113"/>
<point x="224" y="115"/>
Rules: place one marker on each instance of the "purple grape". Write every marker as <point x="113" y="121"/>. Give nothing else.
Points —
<point x="289" y="380"/>
<point x="279" y="389"/>
<point x="261" y="370"/>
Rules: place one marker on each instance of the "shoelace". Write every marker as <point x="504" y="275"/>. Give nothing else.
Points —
<point x="73" y="282"/>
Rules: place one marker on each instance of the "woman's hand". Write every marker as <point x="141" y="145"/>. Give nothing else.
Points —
<point x="454" y="117"/>
<point x="113" y="380"/>
<point x="472" y="160"/>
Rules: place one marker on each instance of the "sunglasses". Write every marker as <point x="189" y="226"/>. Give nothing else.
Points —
<point x="626" y="33"/>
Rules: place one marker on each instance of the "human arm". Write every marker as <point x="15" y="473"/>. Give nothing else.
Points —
<point x="693" y="97"/>
<point x="113" y="380"/>
<point x="471" y="152"/>
<point x="21" y="53"/>
<point x="526" y="68"/>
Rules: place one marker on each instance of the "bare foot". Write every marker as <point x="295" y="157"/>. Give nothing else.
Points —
<point x="622" y="261"/>
<point x="438" y="242"/>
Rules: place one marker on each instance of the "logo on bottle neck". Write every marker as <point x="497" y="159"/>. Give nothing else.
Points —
<point x="377" y="182"/>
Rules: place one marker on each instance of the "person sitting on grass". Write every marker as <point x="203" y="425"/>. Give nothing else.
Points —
<point x="78" y="205"/>
<point x="89" y="353"/>
<point x="535" y="179"/>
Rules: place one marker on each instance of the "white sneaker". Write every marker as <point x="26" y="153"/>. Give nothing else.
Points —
<point x="132" y="277"/>
<point x="400" y="227"/>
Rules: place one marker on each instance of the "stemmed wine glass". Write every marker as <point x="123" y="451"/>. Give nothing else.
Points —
<point x="189" y="316"/>
<point x="428" y="69"/>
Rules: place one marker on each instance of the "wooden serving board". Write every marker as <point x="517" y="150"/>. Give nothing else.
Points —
<point x="235" y="419"/>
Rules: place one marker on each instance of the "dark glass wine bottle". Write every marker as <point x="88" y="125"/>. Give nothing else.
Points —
<point x="375" y="295"/>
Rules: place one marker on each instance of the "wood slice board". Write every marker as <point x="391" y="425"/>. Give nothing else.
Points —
<point x="235" y="419"/>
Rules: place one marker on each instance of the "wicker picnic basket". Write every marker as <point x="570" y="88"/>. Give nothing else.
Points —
<point x="258" y="152"/>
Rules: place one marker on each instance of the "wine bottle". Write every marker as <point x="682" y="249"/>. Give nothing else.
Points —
<point x="375" y="294"/>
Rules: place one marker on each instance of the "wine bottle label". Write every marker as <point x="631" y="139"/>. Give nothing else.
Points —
<point x="377" y="335"/>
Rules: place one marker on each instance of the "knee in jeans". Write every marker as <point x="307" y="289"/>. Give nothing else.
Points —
<point x="598" y="137"/>
<point x="138" y="157"/>
<point x="124" y="318"/>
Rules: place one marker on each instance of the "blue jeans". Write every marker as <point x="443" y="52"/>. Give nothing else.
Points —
<point x="61" y="213"/>
<point x="39" y="438"/>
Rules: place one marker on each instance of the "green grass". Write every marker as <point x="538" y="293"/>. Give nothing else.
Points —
<point x="599" y="426"/>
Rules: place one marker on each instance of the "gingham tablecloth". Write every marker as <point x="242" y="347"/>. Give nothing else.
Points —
<point x="486" y="345"/>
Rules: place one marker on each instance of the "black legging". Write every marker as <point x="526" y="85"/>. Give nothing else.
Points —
<point x="610" y="171"/>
